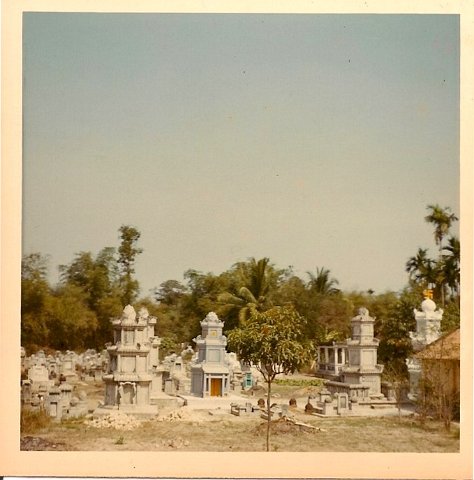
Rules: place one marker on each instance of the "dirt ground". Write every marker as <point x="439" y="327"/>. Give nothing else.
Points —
<point x="208" y="425"/>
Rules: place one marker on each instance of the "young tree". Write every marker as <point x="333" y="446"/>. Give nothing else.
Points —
<point x="274" y="342"/>
<point x="128" y="251"/>
<point x="400" y="384"/>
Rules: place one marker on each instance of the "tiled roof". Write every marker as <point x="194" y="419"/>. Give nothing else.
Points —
<point x="446" y="347"/>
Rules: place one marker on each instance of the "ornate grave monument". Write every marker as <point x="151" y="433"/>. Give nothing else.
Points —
<point x="362" y="367"/>
<point x="128" y="382"/>
<point x="428" y="329"/>
<point x="210" y="374"/>
<point x="133" y="383"/>
<point x="351" y="372"/>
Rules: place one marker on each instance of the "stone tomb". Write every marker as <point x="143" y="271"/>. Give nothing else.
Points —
<point x="210" y="374"/>
<point x="38" y="377"/>
<point x="130" y="383"/>
<point x="351" y="372"/>
<point x="428" y="329"/>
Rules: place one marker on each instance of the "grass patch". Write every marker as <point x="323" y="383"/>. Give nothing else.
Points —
<point x="73" y="422"/>
<point x="32" y="421"/>
<point x="298" y="382"/>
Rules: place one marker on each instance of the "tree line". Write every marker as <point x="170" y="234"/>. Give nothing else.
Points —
<point x="75" y="313"/>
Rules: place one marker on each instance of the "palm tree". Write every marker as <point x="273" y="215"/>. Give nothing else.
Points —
<point x="427" y="272"/>
<point x="454" y="248"/>
<point x="420" y="267"/>
<point x="442" y="219"/>
<point x="321" y="282"/>
<point x="253" y="295"/>
<point x="451" y="265"/>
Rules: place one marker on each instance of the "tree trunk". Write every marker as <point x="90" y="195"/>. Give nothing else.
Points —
<point x="442" y="284"/>
<point x="269" y="384"/>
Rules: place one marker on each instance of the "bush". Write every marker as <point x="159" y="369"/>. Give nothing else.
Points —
<point x="32" y="421"/>
<point x="294" y="382"/>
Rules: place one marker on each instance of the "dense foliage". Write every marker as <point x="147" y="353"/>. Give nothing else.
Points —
<point x="75" y="314"/>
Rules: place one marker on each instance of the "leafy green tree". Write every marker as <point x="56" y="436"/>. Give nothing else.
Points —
<point x="98" y="279"/>
<point x="274" y="341"/>
<point x="72" y="325"/>
<point x="35" y="298"/>
<point x="330" y="321"/>
<point x="170" y="292"/>
<point x="292" y="291"/>
<point x="325" y="307"/>
<point x="451" y="317"/>
<point x="128" y="251"/>
<point x="395" y="343"/>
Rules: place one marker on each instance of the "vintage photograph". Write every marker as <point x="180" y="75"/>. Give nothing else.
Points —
<point x="240" y="232"/>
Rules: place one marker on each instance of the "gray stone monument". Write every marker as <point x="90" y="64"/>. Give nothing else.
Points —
<point x="210" y="374"/>
<point x="428" y="329"/>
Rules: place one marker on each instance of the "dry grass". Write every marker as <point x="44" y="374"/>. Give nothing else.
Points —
<point x="229" y="433"/>
<point x="33" y="421"/>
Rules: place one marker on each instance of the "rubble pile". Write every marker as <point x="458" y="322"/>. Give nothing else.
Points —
<point x="117" y="420"/>
<point x="173" y="416"/>
<point x="175" y="443"/>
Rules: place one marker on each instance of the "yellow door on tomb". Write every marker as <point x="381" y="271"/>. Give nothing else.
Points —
<point x="216" y="387"/>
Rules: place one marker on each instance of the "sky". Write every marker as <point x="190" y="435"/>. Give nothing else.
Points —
<point x="314" y="140"/>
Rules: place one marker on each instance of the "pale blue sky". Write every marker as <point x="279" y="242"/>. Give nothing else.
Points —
<point x="315" y="140"/>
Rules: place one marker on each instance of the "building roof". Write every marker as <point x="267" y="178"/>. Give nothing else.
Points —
<point x="446" y="347"/>
<point x="218" y="369"/>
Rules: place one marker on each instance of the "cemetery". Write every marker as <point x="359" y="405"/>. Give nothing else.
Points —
<point x="208" y="384"/>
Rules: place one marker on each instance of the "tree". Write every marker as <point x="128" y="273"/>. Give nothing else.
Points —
<point x="395" y="343"/>
<point x="399" y="383"/>
<point x="257" y="280"/>
<point x="71" y="323"/>
<point x="275" y="343"/>
<point x="127" y="254"/>
<point x="451" y="263"/>
<point x="35" y="298"/>
<point x="322" y="283"/>
<point x="442" y="273"/>
<point x="442" y="219"/>
<point x="98" y="279"/>
<point x="420" y="267"/>
<point x="170" y="292"/>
